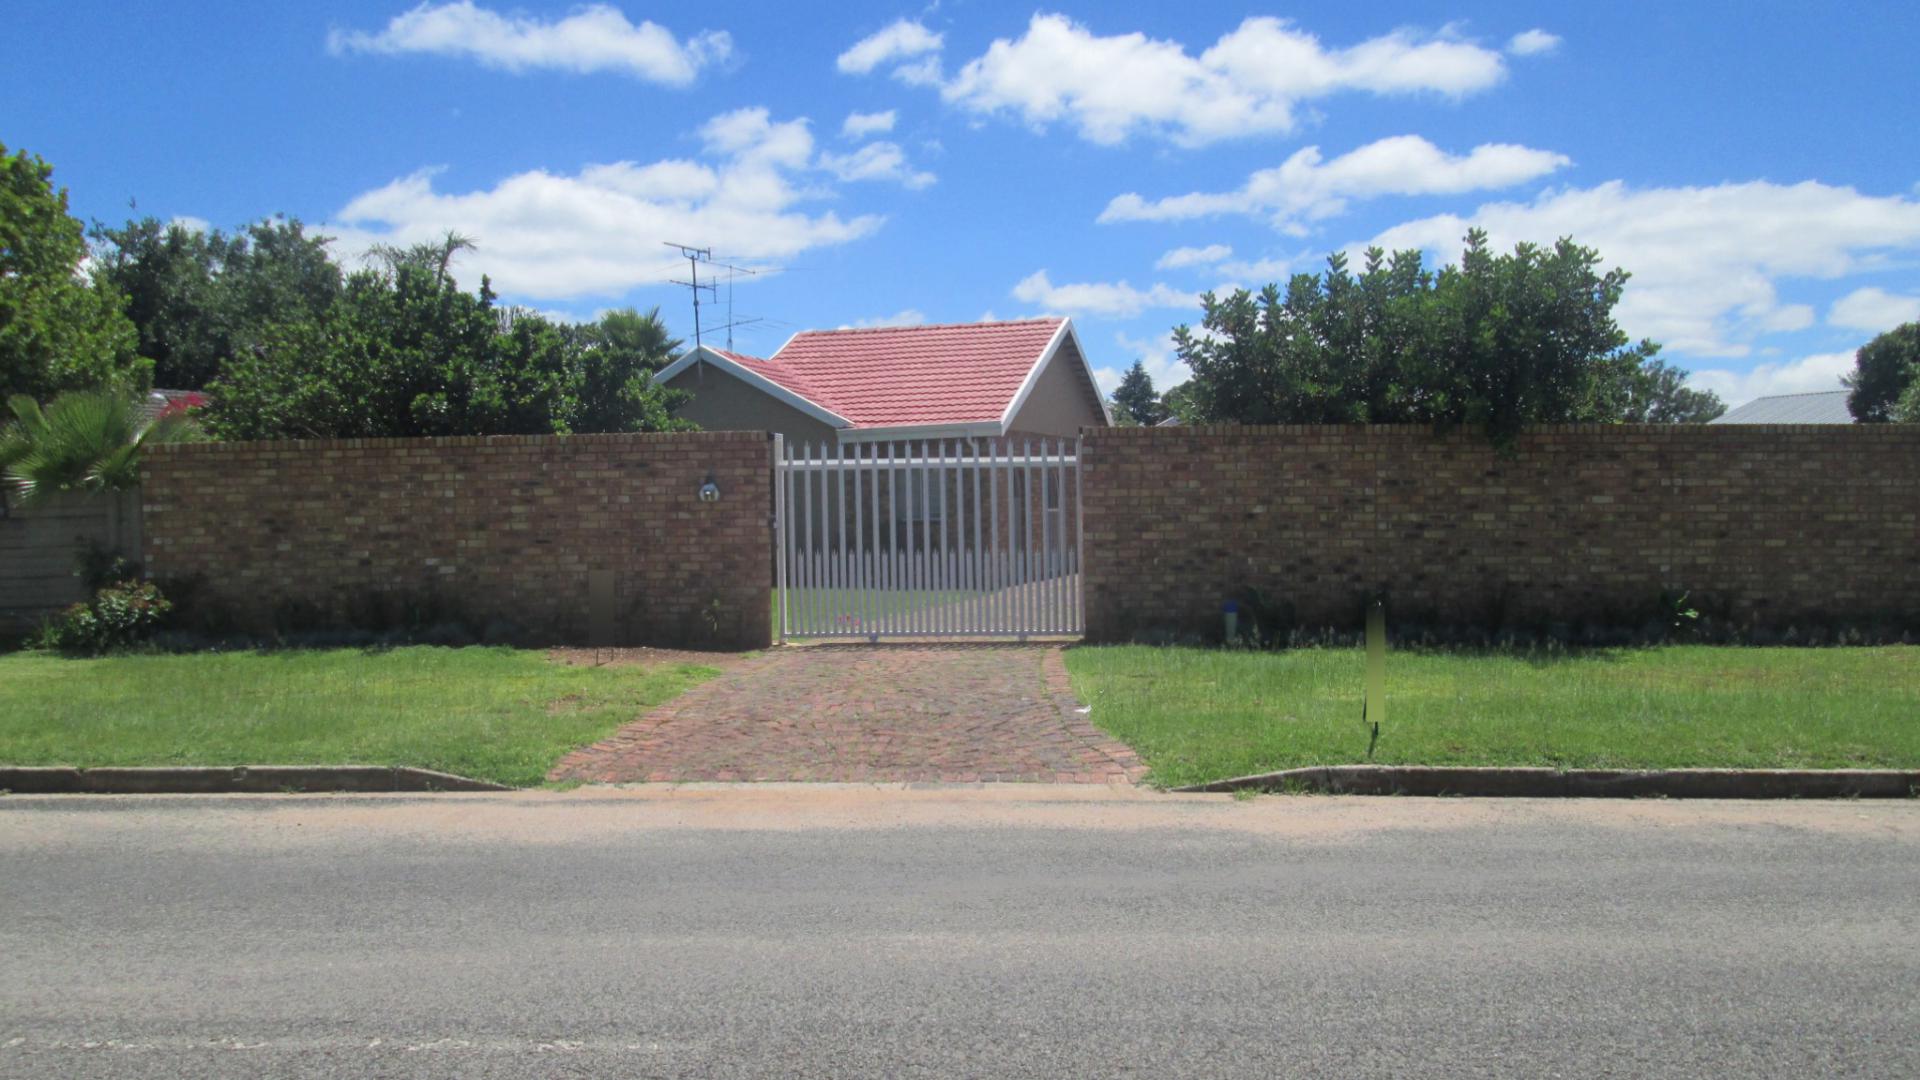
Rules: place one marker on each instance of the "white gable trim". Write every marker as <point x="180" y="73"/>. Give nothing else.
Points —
<point x="703" y="354"/>
<point x="988" y="428"/>
<point x="1065" y="333"/>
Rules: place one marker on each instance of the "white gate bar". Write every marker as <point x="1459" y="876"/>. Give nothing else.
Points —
<point x="1079" y="544"/>
<point x="1046" y="551"/>
<point x="957" y="480"/>
<point x="977" y="623"/>
<point x="823" y="609"/>
<point x="780" y="475"/>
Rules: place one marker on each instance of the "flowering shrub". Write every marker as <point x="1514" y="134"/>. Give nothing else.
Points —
<point x="120" y="614"/>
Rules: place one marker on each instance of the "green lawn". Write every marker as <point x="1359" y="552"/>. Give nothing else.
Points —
<point x="1200" y="714"/>
<point x="494" y="713"/>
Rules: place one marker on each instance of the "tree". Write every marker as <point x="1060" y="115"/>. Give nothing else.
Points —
<point x="1886" y="372"/>
<point x="618" y="356"/>
<point x="83" y="441"/>
<point x="196" y="297"/>
<point x="404" y="352"/>
<point x="1500" y="341"/>
<point x="57" y="331"/>
<point x="1137" y="399"/>
<point x="1658" y="394"/>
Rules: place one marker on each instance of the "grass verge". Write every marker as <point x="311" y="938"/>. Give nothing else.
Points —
<point x="493" y="713"/>
<point x="1197" y="715"/>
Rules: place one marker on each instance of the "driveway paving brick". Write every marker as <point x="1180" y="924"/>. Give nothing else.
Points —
<point x="956" y="713"/>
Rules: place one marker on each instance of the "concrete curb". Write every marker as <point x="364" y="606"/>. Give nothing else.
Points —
<point x="216" y="780"/>
<point x="1584" y="783"/>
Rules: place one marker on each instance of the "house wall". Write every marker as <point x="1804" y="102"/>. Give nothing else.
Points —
<point x="563" y="539"/>
<point x="1063" y="399"/>
<point x="38" y="547"/>
<point x="1769" y="526"/>
<point x="723" y="402"/>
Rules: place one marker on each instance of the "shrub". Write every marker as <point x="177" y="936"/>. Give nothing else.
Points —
<point x="119" y="615"/>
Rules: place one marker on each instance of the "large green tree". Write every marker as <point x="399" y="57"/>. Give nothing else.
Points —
<point x="1885" y="383"/>
<point x="619" y="353"/>
<point x="198" y="296"/>
<point x="1500" y="340"/>
<point x="1135" y="401"/>
<point x="58" y="331"/>
<point x="404" y="352"/>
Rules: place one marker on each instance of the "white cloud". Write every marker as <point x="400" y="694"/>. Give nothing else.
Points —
<point x="1308" y="187"/>
<point x="593" y="38"/>
<point x="1535" y="42"/>
<point x="1706" y="261"/>
<point x="903" y="317"/>
<point x="1117" y="299"/>
<point x="598" y="232"/>
<point x="859" y="125"/>
<point x="190" y="223"/>
<point x="904" y="39"/>
<point x="1247" y="82"/>
<point x="1803" y="376"/>
<point x="1253" y="273"/>
<point x="876" y="161"/>
<point x="1873" y="310"/>
<point x="1192" y="256"/>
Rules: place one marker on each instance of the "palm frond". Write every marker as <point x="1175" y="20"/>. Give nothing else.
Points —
<point x="86" y="441"/>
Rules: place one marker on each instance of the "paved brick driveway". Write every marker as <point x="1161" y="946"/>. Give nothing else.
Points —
<point x="954" y="713"/>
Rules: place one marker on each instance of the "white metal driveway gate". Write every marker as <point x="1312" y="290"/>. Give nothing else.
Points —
<point x="928" y="538"/>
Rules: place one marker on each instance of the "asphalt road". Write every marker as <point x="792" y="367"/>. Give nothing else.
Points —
<point x="785" y="932"/>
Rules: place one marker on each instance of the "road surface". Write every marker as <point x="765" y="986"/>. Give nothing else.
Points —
<point x="1040" y="932"/>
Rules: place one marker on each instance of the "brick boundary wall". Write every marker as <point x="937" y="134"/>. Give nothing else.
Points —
<point x="527" y="533"/>
<point x="1764" y="525"/>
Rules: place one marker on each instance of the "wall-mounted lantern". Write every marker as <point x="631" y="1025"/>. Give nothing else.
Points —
<point x="709" y="491"/>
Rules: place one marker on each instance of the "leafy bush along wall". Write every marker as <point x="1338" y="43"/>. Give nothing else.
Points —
<point x="545" y="539"/>
<point x="1580" y="527"/>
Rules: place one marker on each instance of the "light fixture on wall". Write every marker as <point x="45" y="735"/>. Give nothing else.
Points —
<point x="709" y="491"/>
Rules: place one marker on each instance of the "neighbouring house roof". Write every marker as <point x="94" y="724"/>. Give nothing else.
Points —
<point x="158" y="401"/>
<point x="951" y="375"/>
<point x="1825" y="407"/>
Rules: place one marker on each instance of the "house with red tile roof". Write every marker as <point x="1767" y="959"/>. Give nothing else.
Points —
<point x="969" y="380"/>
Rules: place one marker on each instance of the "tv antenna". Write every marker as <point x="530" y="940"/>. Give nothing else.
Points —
<point x="696" y="256"/>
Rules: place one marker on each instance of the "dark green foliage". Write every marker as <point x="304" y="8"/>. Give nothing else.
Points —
<point x="1885" y="383"/>
<point x="197" y="297"/>
<point x="57" y="331"/>
<point x="404" y="352"/>
<point x="618" y="356"/>
<point x="1136" y="399"/>
<point x="287" y="346"/>
<point x="1658" y="394"/>
<point x="120" y="615"/>
<point x="1500" y="341"/>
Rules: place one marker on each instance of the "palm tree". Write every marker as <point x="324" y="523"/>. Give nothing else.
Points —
<point x="84" y="441"/>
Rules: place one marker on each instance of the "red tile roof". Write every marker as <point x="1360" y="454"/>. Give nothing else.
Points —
<point x="898" y="375"/>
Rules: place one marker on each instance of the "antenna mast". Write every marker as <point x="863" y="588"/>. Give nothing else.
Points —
<point x="695" y="256"/>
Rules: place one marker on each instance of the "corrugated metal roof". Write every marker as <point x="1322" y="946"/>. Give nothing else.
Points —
<point x="1825" y="407"/>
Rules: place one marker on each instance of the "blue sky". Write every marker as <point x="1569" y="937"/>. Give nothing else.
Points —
<point x="1756" y="166"/>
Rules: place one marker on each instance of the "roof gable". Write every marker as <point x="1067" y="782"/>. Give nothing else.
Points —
<point x="962" y="374"/>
